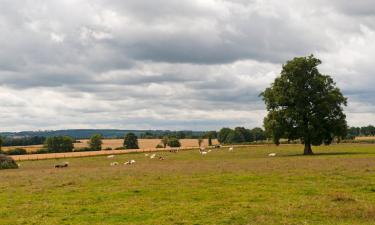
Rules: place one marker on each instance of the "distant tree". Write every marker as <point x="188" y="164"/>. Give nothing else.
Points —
<point x="131" y="141"/>
<point x="234" y="137"/>
<point x="209" y="141"/>
<point x="59" y="144"/>
<point x="180" y="135"/>
<point x="164" y="141"/>
<point x="1" y="143"/>
<point x="174" y="142"/>
<point x="246" y="134"/>
<point x="258" y="134"/>
<point x="96" y="142"/>
<point x="223" y="133"/>
<point x="304" y="104"/>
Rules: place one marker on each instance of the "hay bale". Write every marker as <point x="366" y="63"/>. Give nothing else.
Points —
<point x="7" y="162"/>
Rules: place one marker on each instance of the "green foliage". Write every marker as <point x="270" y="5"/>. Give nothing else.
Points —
<point x="108" y="149"/>
<point x="209" y="141"/>
<point x="96" y="142"/>
<point x="7" y="163"/>
<point x="223" y="133"/>
<point x="159" y="146"/>
<point x="131" y="141"/>
<point x="241" y="135"/>
<point x="120" y="148"/>
<point x="164" y="140"/>
<point x="59" y="144"/>
<point x="85" y="149"/>
<point x="1" y="142"/>
<point x="41" y="151"/>
<point x="174" y="142"/>
<point x="16" y="151"/>
<point x="304" y="104"/>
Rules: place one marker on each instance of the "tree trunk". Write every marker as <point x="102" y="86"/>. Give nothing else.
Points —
<point x="308" y="150"/>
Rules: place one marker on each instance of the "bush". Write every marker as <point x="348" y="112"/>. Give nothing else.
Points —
<point x="159" y="146"/>
<point x="41" y="151"/>
<point x="174" y="142"/>
<point x="120" y="148"/>
<point x="108" y="149"/>
<point x="16" y="151"/>
<point x="84" y="149"/>
<point x="7" y="163"/>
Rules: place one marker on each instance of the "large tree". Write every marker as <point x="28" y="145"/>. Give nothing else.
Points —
<point x="304" y="104"/>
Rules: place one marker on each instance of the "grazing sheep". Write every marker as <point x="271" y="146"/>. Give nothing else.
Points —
<point x="65" y="164"/>
<point x="152" y="156"/>
<point x="114" y="163"/>
<point x="161" y="158"/>
<point x="203" y="153"/>
<point x="272" y="154"/>
<point x="129" y="162"/>
<point x="110" y="156"/>
<point x="146" y="155"/>
<point x="231" y="149"/>
<point x="209" y="150"/>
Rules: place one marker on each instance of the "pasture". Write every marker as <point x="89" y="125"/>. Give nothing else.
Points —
<point x="245" y="186"/>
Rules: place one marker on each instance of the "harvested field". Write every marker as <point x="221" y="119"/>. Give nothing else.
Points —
<point x="114" y="143"/>
<point x="336" y="186"/>
<point x="143" y="143"/>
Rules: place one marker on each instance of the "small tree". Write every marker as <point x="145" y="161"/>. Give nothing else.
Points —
<point x="209" y="140"/>
<point x="164" y="140"/>
<point x="59" y="144"/>
<point x="200" y="142"/>
<point x="304" y="104"/>
<point x="174" y="142"/>
<point x="96" y="142"/>
<point x="131" y="141"/>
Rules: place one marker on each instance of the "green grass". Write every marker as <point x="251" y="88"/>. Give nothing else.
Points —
<point x="336" y="186"/>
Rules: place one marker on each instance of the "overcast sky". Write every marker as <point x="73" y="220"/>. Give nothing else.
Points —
<point x="173" y="64"/>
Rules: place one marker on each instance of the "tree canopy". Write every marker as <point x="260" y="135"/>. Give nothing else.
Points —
<point x="131" y="141"/>
<point x="304" y="104"/>
<point x="96" y="142"/>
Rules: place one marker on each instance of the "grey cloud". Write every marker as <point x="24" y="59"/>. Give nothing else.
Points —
<point x="172" y="64"/>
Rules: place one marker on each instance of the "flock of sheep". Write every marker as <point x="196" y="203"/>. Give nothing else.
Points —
<point x="202" y="151"/>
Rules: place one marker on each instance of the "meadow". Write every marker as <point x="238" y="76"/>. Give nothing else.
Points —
<point x="245" y="186"/>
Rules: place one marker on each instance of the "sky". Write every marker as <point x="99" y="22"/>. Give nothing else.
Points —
<point x="168" y="64"/>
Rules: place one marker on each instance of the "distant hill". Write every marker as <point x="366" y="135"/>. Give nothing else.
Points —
<point x="107" y="133"/>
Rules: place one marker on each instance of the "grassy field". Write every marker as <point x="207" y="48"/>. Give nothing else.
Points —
<point x="336" y="186"/>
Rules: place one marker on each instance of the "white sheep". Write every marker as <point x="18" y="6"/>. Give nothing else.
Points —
<point x="110" y="156"/>
<point x="203" y="153"/>
<point x="129" y="162"/>
<point x="114" y="163"/>
<point x="146" y="155"/>
<point x="230" y="149"/>
<point x="272" y="154"/>
<point x="209" y="150"/>
<point x="152" y="156"/>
